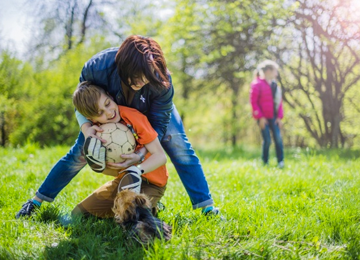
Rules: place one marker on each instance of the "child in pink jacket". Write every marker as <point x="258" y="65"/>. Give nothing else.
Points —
<point x="266" y="102"/>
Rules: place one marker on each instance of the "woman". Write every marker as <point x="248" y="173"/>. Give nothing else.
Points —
<point x="135" y="75"/>
<point x="266" y="102"/>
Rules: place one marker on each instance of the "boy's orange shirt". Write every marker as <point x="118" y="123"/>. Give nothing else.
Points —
<point x="146" y="134"/>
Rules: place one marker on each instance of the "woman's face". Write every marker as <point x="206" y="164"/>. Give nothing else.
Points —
<point x="139" y="83"/>
<point x="271" y="74"/>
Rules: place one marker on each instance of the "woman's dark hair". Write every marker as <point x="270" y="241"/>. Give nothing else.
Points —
<point x="142" y="56"/>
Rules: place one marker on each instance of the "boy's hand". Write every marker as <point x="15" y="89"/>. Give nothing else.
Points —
<point x="95" y="154"/>
<point x="131" y="180"/>
<point x="90" y="131"/>
<point x="130" y="159"/>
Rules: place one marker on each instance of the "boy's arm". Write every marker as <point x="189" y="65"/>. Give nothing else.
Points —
<point x="156" y="159"/>
<point x="146" y="135"/>
<point x="81" y="119"/>
<point x="86" y="126"/>
<point x="133" y="173"/>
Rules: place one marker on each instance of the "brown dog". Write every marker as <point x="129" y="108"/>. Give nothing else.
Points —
<point x="133" y="213"/>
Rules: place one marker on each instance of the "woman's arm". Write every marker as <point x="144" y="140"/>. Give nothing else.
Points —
<point x="160" y="110"/>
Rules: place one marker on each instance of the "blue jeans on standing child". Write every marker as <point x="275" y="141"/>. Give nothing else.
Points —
<point x="267" y="141"/>
<point x="175" y="144"/>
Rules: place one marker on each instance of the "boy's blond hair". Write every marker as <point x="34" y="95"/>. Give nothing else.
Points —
<point x="86" y="98"/>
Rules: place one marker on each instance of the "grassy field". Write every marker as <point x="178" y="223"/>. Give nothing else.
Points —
<point x="309" y="210"/>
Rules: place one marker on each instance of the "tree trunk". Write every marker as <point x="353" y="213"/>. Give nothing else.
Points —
<point x="234" y="107"/>
<point x="185" y="82"/>
<point x="70" y="27"/>
<point x="3" y="132"/>
<point x="234" y="128"/>
<point x="83" y="23"/>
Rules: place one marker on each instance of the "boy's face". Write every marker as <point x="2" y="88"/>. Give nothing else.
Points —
<point x="108" y="111"/>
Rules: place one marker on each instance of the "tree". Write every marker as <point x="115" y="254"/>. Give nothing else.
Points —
<point x="219" y="42"/>
<point x="13" y="76"/>
<point x="322" y="61"/>
<point x="64" y="24"/>
<point x="60" y="26"/>
<point x="69" y="33"/>
<point x="184" y="49"/>
<point x="46" y="113"/>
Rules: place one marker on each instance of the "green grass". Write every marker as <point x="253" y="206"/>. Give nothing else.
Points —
<point x="309" y="210"/>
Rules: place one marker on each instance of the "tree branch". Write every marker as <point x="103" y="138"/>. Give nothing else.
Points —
<point x="83" y="23"/>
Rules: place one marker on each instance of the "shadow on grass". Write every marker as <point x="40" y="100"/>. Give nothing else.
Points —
<point x="88" y="238"/>
<point x="251" y="153"/>
<point x="229" y="153"/>
<point x="94" y="239"/>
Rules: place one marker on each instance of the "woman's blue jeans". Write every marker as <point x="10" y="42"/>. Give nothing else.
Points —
<point x="175" y="144"/>
<point x="267" y="141"/>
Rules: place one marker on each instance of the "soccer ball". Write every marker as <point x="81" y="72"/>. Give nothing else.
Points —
<point x="120" y="140"/>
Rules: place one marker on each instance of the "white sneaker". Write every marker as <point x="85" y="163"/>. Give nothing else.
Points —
<point x="281" y="164"/>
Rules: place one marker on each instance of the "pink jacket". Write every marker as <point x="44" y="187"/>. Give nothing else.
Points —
<point x="262" y="102"/>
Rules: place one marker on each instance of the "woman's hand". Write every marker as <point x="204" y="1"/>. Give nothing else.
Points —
<point x="279" y="122"/>
<point x="262" y="123"/>
<point x="130" y="159"/>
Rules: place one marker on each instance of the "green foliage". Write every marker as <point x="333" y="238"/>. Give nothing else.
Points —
<point x="211" y="48"/>
<point x="309" y="210"/>
<point x="44" y="112"/>
<point x="13" y="79"/>
<point x="140" y="18"/>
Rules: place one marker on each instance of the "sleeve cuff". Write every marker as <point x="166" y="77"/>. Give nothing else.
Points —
<point x="81" y="119"/>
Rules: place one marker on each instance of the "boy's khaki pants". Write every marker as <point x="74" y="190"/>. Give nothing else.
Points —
<point x="100" y="202"/>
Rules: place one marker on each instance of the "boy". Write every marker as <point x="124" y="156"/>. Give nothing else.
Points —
<point x="95" y="104"/>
